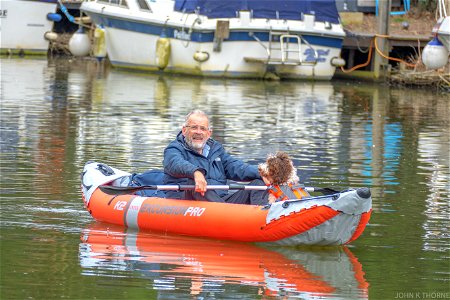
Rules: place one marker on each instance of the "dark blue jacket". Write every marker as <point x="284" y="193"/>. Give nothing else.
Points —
<point x="180" y="163"/>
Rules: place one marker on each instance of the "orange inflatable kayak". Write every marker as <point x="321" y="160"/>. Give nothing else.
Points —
<point x="324" y="220"/>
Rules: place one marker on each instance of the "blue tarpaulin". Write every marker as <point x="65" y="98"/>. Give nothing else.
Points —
<point x="324" y="10"/>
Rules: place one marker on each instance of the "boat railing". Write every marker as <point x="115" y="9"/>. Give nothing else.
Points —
<point x="286" y="49"/>
<point x="252" y="34"/>
<point x="187" y="33"/>
<point x="281" y="45"/>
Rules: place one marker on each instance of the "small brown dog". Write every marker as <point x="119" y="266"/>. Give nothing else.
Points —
<point x="279" y="172"/>
<point x="278" y="169"/>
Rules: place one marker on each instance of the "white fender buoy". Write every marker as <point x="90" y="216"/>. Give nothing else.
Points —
<point x="162" y="50"/>
<point x="79" y="44"/>
<point x="99" y="47"/>
<point x="434" y="55"/>
<point x="337" y="62"/>
<point x="201" y="56"/>
<point x="51" y="36"/>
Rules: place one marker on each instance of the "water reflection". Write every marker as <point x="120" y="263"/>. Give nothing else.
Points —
<point x="141" y="111"/>
<point x="435" y="158"/>
<point x="56" y="114"/>
<point x="209" y="267"/>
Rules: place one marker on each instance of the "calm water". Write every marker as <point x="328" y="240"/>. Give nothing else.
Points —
<point x="57" y="114"/>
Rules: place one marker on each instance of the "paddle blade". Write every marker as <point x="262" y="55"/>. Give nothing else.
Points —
<point x="324" y="191"/>
<point x="328" y="191"/>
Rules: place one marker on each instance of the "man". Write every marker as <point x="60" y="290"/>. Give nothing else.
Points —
<point x="195" y="158"/>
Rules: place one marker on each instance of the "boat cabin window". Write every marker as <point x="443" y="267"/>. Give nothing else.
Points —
<point x="115" y="2"/>
<point x="143" y="5"/>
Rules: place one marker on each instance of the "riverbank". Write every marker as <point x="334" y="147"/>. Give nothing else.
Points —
<point x="413" y="23"/>
<point x="434" y="79"/>
<point x="415" y="27"/>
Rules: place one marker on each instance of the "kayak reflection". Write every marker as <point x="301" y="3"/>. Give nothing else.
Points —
<point x="212" y="266"/>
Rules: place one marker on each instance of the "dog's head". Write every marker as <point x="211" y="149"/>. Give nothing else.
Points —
<point x="279" y="169"/>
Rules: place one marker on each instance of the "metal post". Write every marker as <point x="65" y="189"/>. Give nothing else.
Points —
<point x="380" y="63"/>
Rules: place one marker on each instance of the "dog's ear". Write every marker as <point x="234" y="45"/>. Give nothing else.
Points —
<point x="263" y="169"/>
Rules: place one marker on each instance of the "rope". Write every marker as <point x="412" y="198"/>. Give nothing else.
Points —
<point x="388" y="57"/>
<point x="369" y="57"/>
<point x="355" y="37"/>
<point x="374" y="41"/>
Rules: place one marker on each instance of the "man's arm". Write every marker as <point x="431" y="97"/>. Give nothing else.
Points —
<point x="176" y="165"/>
<point x="237" y="170"/>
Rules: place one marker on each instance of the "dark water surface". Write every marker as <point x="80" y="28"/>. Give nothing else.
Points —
<point x="58" y="114"/>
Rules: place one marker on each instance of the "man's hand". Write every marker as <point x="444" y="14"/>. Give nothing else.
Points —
<point x="200" y="182"/>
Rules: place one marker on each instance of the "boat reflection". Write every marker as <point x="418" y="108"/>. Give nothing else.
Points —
<point x="203" y="267"/>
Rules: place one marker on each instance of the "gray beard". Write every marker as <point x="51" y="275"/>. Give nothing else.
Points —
<point x="195" y="146"/>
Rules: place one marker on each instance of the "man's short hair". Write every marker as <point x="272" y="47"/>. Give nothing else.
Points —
<point x="196" y="112"/>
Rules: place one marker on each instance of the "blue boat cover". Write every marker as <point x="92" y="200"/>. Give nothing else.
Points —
<point x="324" y="10"/>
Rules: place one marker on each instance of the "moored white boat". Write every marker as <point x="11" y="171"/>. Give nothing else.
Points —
<point x="442" y="28"/>
<point x="23" y="25"/>
<point x="442" y="31"/>
<point x="286" y="39"/>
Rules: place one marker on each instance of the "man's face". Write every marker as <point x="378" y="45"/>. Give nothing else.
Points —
<point x="197" y="132"/>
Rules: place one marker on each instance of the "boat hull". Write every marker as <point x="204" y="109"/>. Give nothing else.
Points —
<point x="443" y="32"/>
<point x="327" y="220"/>
<point x="131" y="42"/>
<point x="23" y="26"/>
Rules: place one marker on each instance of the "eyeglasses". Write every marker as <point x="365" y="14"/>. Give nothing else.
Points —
<point x="196" y="127"/>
